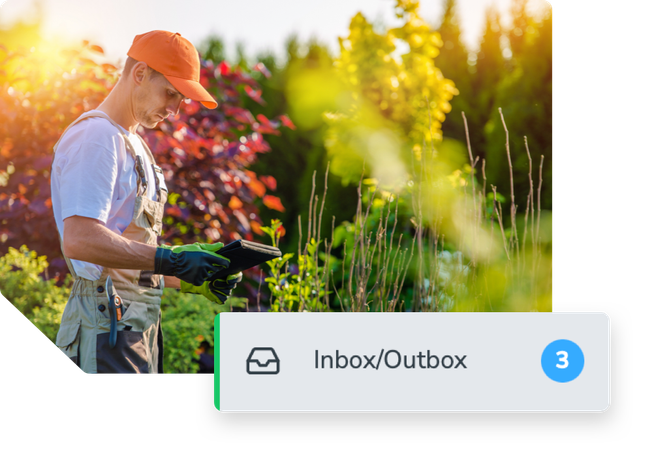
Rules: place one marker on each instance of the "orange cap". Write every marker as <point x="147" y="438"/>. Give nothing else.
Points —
<point x="176" y="58"/>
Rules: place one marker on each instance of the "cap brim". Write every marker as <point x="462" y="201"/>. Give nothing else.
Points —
<point x="193" y="90"/>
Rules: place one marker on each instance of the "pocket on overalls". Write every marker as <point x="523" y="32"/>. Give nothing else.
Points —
<point x="151" y="212"/>
<point x="130" y="354"/>
<point x="68" y="340"/>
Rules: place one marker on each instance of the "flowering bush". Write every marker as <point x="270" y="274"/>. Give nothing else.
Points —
<point x="41" y="92"/>
<point x="204" y="153"/>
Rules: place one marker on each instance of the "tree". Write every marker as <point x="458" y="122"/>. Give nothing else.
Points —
<point x="297" y="153"/>
<point x="391" y="104"/>
<point x="490" y="68"/>
<point x="453" y="62"/>
<point x="525" y="96"/>
<point x="521" y="24"/>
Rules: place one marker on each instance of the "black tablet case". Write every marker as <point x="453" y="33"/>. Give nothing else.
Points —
<point x="243" y="255"/>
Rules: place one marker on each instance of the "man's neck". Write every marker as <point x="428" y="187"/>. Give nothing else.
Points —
<point x="118" y="105"/>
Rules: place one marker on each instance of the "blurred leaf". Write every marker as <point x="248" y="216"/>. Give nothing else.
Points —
<point x="287" y="122"/>
<point x="108" y="68"/>
<point x="273" y="202"/>
<point x="235" y="203"/>
<point x="224" y="68"/>
<point x="254" y="94"/>
<point x="260" y="67"/>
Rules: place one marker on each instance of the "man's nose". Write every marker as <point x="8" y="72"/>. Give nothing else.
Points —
<point x="173" y="107"/>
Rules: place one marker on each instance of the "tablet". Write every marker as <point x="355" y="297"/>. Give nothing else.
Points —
<point x="243" y="255"/>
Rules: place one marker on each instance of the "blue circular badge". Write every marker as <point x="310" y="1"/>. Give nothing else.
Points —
<point x="562" y="361"/>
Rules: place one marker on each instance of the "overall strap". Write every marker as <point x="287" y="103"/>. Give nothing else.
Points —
<point x="139" y="166"/>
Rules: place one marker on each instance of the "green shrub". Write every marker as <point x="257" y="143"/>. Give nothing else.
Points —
<point x="300" y="291"/>
<point x="187" y="321"/>
<point x="41" y="301"/>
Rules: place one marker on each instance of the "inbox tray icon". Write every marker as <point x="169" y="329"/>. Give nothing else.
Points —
<point x="263" y="361"/>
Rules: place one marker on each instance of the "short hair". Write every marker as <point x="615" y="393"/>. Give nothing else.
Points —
<point x="129" y="64"/>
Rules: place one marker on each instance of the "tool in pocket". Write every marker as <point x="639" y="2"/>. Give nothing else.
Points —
<point x="116" y="311"/>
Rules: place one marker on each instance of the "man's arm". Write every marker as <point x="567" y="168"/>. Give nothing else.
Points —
<point x="87" y="239"/>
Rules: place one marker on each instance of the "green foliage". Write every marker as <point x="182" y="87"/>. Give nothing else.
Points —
<point x="453" y="62"/>
<point x="303" y="290"/>
<point x="439" y="244"/>
<point x="297" y="153"/>
<point x="305" y="85"/>
<point x="187" y="321"/>
<point x="489" y="69"/>
<point x="41" y="301"/>
<point x="513" y="71"/>
<point x="525" y="96"/>
<point x="393" y="102"/>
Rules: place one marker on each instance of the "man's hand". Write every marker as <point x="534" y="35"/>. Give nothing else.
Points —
<point x="193" y="263"/>
<point x="216" y="290"/>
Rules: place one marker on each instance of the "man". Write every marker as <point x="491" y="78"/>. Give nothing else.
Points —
<point x="108" y="199"/>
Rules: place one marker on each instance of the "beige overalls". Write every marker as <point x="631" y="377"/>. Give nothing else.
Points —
<point x="85" y="323"/>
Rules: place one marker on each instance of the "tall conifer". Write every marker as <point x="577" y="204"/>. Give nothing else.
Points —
<point x="453" y="63"/>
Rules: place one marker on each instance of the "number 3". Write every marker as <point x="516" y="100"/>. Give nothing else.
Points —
<point x="563" y="358"/>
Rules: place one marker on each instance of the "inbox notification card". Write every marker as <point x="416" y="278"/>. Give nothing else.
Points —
<point x="522" y="362"/>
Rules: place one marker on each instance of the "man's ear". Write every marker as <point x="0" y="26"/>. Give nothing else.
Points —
<point x="139" y="72"/>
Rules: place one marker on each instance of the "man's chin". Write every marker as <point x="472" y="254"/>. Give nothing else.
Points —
<point x="150" y="124"/>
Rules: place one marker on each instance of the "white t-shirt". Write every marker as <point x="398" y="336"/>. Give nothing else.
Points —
<point x="93" y="176"/>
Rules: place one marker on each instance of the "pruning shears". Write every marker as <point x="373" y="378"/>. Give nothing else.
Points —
<point x="116" y="311"/>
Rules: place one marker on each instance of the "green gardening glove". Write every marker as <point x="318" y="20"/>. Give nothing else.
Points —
<point x="193" y="263"/>
<point x="217" y="290"/>
<point x="196" y="247"/>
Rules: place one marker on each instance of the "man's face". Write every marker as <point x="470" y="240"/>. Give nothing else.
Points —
<point x="156" y="99"/>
